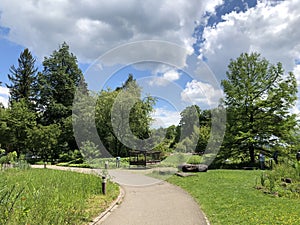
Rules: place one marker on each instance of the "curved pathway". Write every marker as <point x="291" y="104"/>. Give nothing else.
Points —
<point x="149" y="201"/>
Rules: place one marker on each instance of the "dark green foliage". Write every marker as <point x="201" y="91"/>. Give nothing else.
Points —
<point x="57" y="84"/>
<point x="19" y="120"/>
<point x="23" y="79"/>
<point x="259" y="97"/>
<point x="43" y="142"/>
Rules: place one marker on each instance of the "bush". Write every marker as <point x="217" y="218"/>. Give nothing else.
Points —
<point x="195" y="159"/>
<point x="283" y="180"/>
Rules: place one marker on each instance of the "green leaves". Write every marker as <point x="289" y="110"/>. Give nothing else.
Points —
<point x="43" y="141"/>
<point x="259" y="97"/>
<point x="23" y="79"/>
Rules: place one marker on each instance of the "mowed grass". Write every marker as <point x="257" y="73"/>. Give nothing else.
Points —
<point x="229" y="197"/>
<point x="45" y="196"/>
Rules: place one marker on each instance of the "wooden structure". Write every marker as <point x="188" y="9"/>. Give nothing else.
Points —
<point x="142" y="158"/>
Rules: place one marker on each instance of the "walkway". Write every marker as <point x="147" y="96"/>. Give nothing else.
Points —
<point x="149" y="201"/>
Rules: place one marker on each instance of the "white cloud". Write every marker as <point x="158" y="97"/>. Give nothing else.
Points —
<point x="92" y="27"/>
<point x="165" y="79"/>
<point x="296" y="108"/>
<point x="4" y="91"/>
<point x="4" y="101"/>
<point x="171" y="75"/>
<point x="271" y="29"/>
<point x="165" y="118"/>
<point x="4" y="96"/>
<point x="296" y="72"/>
<point x="198" y="92"/>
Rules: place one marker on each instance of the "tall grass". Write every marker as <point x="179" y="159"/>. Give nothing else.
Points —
<point x="42" y="196"/>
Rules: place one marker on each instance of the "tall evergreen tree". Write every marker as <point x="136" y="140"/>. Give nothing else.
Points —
<point x="259" y="97"/>
<point x="23" y="79"/>
<point x="57" y="84"/>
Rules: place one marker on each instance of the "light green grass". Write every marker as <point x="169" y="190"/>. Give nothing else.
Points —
<point x="51" y="197"/>
<point x="229" y="197"/>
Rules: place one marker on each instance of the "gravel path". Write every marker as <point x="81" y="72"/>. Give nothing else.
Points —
<point x="149" y="201"/>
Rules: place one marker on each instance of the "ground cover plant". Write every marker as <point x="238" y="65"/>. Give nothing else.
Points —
<point x="282" y="180"/>
<point x="230" y="197"/>
<point x="42" y="196"/>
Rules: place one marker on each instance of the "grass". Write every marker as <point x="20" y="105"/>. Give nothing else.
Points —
<point x="229" y="197"/>
<point x="44" y="196"/>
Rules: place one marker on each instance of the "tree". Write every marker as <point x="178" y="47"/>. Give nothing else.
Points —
<point x="57" y="85"/>
<point x="5" y="135"/>
<point x="121" y="112"/>
<point x="194" y="129"/>
<point x="19" y="119"/>
<point x="43" y="142"/>
<point x="23" y="79"/>
<point x="259" y="96"/>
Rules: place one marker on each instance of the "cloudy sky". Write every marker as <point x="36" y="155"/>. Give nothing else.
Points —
<point x="177" y="50"/>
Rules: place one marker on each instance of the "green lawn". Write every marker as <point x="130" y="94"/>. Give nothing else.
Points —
<point x="45" y="196"/>
<point x="229" y="197"/>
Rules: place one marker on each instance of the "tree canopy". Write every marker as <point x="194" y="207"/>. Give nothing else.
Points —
<point x="23" y="79"/>
<point x="259" y="98"/>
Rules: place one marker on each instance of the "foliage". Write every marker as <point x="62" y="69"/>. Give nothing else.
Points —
<point x="20" y="119"/>
<point x="228" y="197"/>
<point x="194" y="129"/>
<point x="195" y="159"/>
<point x="259" y="97"/>
<point x="70" y="156"/>
<point x="114" y="109"/>
<point x="57" y="84"/>
<point x="274" y="181"/>
<point x="41" y="197"/>
<point x="175" y="159"/>
<point x="5" y="136"/>
<point x="90" y="151"/>
<point x="23" y="79"/>
<point x="43" y="141"/>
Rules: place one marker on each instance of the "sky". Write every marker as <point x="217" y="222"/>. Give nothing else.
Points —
<point x="177" y="50"/>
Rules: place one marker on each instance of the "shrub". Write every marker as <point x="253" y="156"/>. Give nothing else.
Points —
<point x="195" y="159"/>
<point x="283" y="180"/>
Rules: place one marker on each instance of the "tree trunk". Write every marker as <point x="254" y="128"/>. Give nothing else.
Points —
<point x="251" y="146"/>
<point x="251" y="151"/>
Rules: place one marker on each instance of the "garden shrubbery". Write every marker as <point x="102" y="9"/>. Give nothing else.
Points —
<point x="283" y="180"/>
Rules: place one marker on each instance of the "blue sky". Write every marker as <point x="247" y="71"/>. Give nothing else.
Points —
<point x="211" y="32"/>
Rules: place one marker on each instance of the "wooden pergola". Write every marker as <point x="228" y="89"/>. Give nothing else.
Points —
<point x="142" y="158"/>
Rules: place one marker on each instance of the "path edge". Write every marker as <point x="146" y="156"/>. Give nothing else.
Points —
<point x="99" y="219"/>
<point x="187" y="193"/>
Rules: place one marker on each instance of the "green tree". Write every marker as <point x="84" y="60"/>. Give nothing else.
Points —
<point x="194" y="128"/>
<point x="259" y="96"/>
<point x="23" y="79"/>
<point x="5" y="135"/>
<point x="57" y="84"/>
<point x="90" y="151"/>
<point x="43" y="141"/>
<point x="19" y="119"/>
<point x="130" y="114"/>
